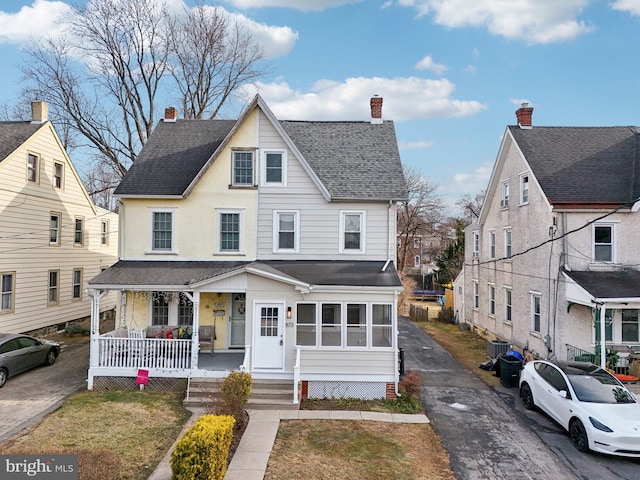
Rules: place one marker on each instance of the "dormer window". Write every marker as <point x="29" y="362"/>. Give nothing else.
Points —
<point x="242" y="168"/>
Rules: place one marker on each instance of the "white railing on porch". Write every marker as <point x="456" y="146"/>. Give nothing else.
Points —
<point x="117" y="352"/>
<point x="296" y="377"/>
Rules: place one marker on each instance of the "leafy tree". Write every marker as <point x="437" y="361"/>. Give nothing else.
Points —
<point x="120" y="58"/>
<point x="452" y="259"/>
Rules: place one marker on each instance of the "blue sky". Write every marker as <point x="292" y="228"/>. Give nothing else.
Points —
<point x="451" y="72"/>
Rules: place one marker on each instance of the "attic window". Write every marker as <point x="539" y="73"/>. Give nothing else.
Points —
<point x="242" y="168"/>
<point x="32" y="168"/>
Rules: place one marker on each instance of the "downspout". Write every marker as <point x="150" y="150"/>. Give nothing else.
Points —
<point x="395" y="340"/>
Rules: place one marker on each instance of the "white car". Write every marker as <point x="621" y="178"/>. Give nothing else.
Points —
<point x="597" y="410"/>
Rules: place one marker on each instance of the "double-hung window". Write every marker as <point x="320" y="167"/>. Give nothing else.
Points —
<point x="53" y="286"/>
<point x="476" y="294"/>
<point x="507" y="305"/>
<point x="162" y="231"/>
<point x="630" y="325"/>
<point x="603" y="243"/>
<point x="331" y="325"/>
<point x="77" y="284"/>
<point x="78" y="235"/>
<point x="104" y="232"/>
<point x="524" y="188"/>
<point x="507" y="243"/>
<point x="229" y="232"/>
<point x="492" y="299"/>
<point x="185" y="309"/>
<point x="492" y="245"/>
<point x="352" y="232"/>
<point x="504" y="202"/>
<point x="242" y="168"/>
<point x="54" y="229"/>
<point x="33" y="168"/>
<point x="159" y="308"/>
<point x="356" y="325"/>
<point x="476" y="244"/>
<point x="536" y="311"/>
<point x="286" y="231"/>
<point x="6" y="291"/>
<point x="274" y="168"/>
<point x="58" y="172"/>
<point x="381" y="330"/>
<point x="306" y="324"/>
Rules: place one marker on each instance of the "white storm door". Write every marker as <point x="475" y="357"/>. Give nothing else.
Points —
<point x="269" y="349"/>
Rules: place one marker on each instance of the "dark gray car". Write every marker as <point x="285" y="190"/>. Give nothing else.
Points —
<point x="19" y="353"/>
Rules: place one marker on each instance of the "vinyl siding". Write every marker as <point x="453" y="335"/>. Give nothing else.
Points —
<point x="24" y="245"/>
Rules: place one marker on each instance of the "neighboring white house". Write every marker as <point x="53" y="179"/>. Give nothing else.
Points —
<point x="273" y="239"/>
<point x="556" y="245"/>
<point x="52" y="237"/>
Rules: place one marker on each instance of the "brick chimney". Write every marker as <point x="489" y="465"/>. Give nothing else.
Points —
<point x="523" y="114"/>
<point x="39" y="112"/>
<point x="376" y="109"/>
<point x="170" y="114"/>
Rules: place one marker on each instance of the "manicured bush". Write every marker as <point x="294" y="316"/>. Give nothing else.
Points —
<point x="202" y="452"/>
<point x="234" y="394"/>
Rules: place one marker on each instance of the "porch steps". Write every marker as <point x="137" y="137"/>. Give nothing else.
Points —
<point x="265" y="394"/>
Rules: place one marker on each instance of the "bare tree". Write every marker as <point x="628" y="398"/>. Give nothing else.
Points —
<point x="104" y="78"/>
<point x="470" y="206"/>
<point x="419" y="213"/>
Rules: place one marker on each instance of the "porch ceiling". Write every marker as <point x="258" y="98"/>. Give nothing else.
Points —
<point x="618" y="286"/>
<point x="178" y="274"/>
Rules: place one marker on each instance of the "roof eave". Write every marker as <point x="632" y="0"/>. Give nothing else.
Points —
<point x="155" y="197"/>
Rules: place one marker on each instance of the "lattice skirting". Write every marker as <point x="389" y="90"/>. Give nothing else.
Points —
<point x="363" y="390"/>
<point x="160" y="384"/>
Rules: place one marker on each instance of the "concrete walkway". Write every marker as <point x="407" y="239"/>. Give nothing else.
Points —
<point x="251" y="458"/>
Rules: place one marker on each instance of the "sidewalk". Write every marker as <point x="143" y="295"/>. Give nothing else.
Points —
<point x="251" y="457"/>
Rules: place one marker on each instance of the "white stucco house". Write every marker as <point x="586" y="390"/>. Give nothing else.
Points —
<point x="552" y="265"/>
<point x="267" y="242"/>
<point x="53" y="237"/>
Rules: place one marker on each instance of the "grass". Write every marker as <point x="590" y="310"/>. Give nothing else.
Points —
<point x="344" y="450"/>
<point x="137" y="428"/>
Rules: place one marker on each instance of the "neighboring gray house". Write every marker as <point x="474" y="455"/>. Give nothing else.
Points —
<point x="556" y="246"/>
<point x="273" y="239"/>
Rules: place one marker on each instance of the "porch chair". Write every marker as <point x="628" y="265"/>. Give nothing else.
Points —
<point x="206" y="337"/>
<point x="136" y="333"/>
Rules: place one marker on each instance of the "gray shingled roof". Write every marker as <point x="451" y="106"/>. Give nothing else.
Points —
<point x="161" y="274"/>
<point x="603" y="285"/>
<point x="583" y="164"/>
<point x="14" y="134"/>
<point x="354" y="160"/>
<point x="173" y="156"/>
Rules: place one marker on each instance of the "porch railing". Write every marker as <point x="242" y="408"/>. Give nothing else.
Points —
<point x="579" y="355"/>
<point x="116" y="352"/>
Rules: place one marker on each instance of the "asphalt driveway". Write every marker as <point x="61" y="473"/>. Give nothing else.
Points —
<point x="28" y="397"/>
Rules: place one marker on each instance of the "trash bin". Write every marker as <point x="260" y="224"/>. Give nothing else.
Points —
<point x="510" y="367"/>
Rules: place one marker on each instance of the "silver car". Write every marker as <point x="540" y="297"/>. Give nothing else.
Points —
<point x="19" y="353"/>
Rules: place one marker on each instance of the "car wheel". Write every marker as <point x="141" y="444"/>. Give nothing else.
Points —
<point x="51" y="358"/>
<point x="3" y="377"/>
<point x="527" y="397"/>
<point x="578" y="436"/>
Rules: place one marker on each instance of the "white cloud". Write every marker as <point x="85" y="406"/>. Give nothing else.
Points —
<point x="420" y="145"/>
<point x="534" y="21"/>
<point x="472" y="182"/>
<point x="275" y="41"/>
<point x="39" y="19"/>
<point x="427" y="63"/>
<point x="304" y="5"/>
<point x="408" y="98"/>
<point x="631" y="6"/>
<point x="519" y="101"/>
<point x="470" y="69"/>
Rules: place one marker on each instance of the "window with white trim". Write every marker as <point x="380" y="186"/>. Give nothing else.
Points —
<point x="507" y="305"/>
<point x="58" y="174"/>
<point x="33" y="168"/>
<point x="524" y="188"/>
<point x="416" y="261"/>
<point x="242" y="168"/>
<point x="416" y="243"/>
<point x="306" y="324"/>
<point x="7" y="291"/>
<point x="274" y="168"/>
<point x="54" y="275"/>
<point x="492" y="299"/>
<point x="54" y="228"/>
<point x="286" y="235"/>
<point x="507" y="244"/>
<point x="78" y="233"/>
<point x="77" y="284"/>
<point x="504" y="202"/>
<point x="381" y="330"/>
<point x="162" y="230"/>
<point x="476" y="244"/>
<point x="331" y="332"/>
<point x="356" y="325"/>
<point x="476" y="294"/>
<point x="229" y="232"/>
<point x="630" y="325"/>
<point x="185" y="309"/>
<point x="536" y="311"/>
<point x="603" y="243"/>
<point x="492" y="244"/>
<point x="352" y="232"/>
<point x="104" y="232"/>
<point x="160" y="308"/>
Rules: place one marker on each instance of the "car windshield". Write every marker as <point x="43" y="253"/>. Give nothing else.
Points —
<point x="599" y="387"/>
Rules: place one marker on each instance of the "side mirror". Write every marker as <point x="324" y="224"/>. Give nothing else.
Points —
<point x="563" y="393"/>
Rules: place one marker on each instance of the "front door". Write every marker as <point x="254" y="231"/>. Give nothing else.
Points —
<point x="237" y="320"/>
<point x="268" y="343"/>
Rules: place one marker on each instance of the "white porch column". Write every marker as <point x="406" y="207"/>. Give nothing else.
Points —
<point x="195" y="338"/>
<point x="94" y="348"/>
<point x="603" y="332"/>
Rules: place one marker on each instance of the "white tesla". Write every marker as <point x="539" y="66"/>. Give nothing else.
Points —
<point x="596" y="409"/>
